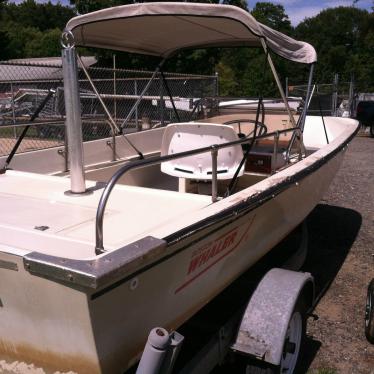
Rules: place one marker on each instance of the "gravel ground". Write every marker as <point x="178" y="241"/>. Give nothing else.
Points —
<point x="341" y="247"/>
<point x="18" y="367"/>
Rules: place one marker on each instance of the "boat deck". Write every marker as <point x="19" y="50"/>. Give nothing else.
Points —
<point x="36" y="215"/>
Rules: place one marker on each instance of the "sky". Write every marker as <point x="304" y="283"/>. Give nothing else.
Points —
<point x="297" y="10"/>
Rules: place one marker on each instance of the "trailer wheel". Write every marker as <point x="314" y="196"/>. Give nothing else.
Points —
<point x="292" y="348"/>
<point x="372" y="130"/>
<point x="369" y="314"/>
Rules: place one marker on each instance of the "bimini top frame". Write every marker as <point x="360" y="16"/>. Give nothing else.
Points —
<point x="162" y="29"/>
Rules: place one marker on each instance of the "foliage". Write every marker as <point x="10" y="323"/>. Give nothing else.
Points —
<point x="273" y="16"/>
<point x="249" y="68"/>
<point x="30" y="29"/>
<point x="344" y="40"/>
<point x="342" y="36"/>
<point x="86" y="6"/>
<point x="43" y="16"/>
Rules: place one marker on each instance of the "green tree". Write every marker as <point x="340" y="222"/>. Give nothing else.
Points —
<point x="343" y="38"/>
<point x="30" y="29"/>
<point x="238" y="3"/>
<point x="44" y="44"/>
<point x="248" y="66"/>
<point x="272" y="15"/>
<point x="42" y="16"/>
<point x="86" y="6"/>
<point x="4" y="46"/>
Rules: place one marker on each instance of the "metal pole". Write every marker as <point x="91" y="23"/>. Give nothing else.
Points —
<point x="156" y="160"/>
<point x="307" y="98"/>
<point x="351" y="95"/>
<point x="217" y="83"/>
<point x="275" y="152"/>
<point x="279" y="84"/>
<point x="286" y="86"/>
<point x="214" y="153"/>
<point x="114" y="158"/>
<point x="131" y="112"/>
<point x="162" y="102"/>
<point x="73" y="119"/>
<point x="170" y="95"/>
<point x="136" y="110"/>
<point x="335" y="95"/>
<point x="111" y="120"/>
<point x="114" y="88"/>
<point x="115" y="107"/>
<point x="13" y="112"/>
<point x="26" y="128"/>
<point x="112" y="123"/>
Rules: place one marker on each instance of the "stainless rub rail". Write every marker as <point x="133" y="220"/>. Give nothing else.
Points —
<point x="213" y="149"/>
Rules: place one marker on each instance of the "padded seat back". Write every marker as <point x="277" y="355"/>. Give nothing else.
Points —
<point x="183" y="137"/>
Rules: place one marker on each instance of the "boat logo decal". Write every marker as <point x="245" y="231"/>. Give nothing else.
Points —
<point x="209" y="254"/>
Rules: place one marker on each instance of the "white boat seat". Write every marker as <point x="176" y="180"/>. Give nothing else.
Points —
<point x="183" y="137"/>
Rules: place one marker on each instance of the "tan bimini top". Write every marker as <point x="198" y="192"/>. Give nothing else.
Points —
<point x="161" y="29"/>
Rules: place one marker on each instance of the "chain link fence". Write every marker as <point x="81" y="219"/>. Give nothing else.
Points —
<point x="329" y="99"/>
<point x="33" y="95"/>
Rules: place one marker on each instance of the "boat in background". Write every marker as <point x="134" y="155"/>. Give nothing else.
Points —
<point x="90" y="262"/>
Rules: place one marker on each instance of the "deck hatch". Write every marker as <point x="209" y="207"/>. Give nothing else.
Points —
<point x="31" y="212"/>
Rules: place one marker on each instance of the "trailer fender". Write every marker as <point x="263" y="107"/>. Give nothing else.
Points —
<point x="264" y="324"/>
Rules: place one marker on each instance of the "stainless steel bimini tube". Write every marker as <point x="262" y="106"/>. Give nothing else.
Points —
<point x="140" y="98"/>
<point x="307" y="98"/>
<point x="73" y="114"/>
<point x="277" y="80"/>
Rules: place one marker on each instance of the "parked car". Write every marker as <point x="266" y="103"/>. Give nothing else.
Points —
<point x="365" y="114"/>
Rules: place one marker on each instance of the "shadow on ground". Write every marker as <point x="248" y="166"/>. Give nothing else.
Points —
<point x="332" y="232"/>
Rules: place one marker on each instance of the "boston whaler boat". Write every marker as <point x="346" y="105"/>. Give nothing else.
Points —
<point x="88" y="268"/>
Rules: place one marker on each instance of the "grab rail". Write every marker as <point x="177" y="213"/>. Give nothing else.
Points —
<point x="99" y="248"/>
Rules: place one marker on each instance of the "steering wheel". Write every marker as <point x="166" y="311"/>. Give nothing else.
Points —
<point x="263" y="127"/>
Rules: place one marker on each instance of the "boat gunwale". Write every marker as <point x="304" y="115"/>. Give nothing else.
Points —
<point x="98" y="276"/>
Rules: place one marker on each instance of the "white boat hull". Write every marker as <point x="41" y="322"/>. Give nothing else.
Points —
<point x="61" y="326"/>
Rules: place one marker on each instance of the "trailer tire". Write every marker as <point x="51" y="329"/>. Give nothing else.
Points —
<point x="372" y="130"/>
<point x="369" y="313"/>
<point x="295" y="339"/>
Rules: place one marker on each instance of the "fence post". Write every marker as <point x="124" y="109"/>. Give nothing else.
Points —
<point x="334" y="95"/>
<point x="136" y="109"/>
<point x="216" y="84"/>
<point x="351" y="96"/>
<point x="214" y="155"/>
<point x="162" y="102"/>
<point x="13" y="112"/>
<point x="114" y="107"/>
<point x="114" y="88"/>
<point x="286" y="88"/>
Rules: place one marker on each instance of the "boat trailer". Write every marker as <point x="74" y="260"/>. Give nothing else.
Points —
<point x="259" y="332"/>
